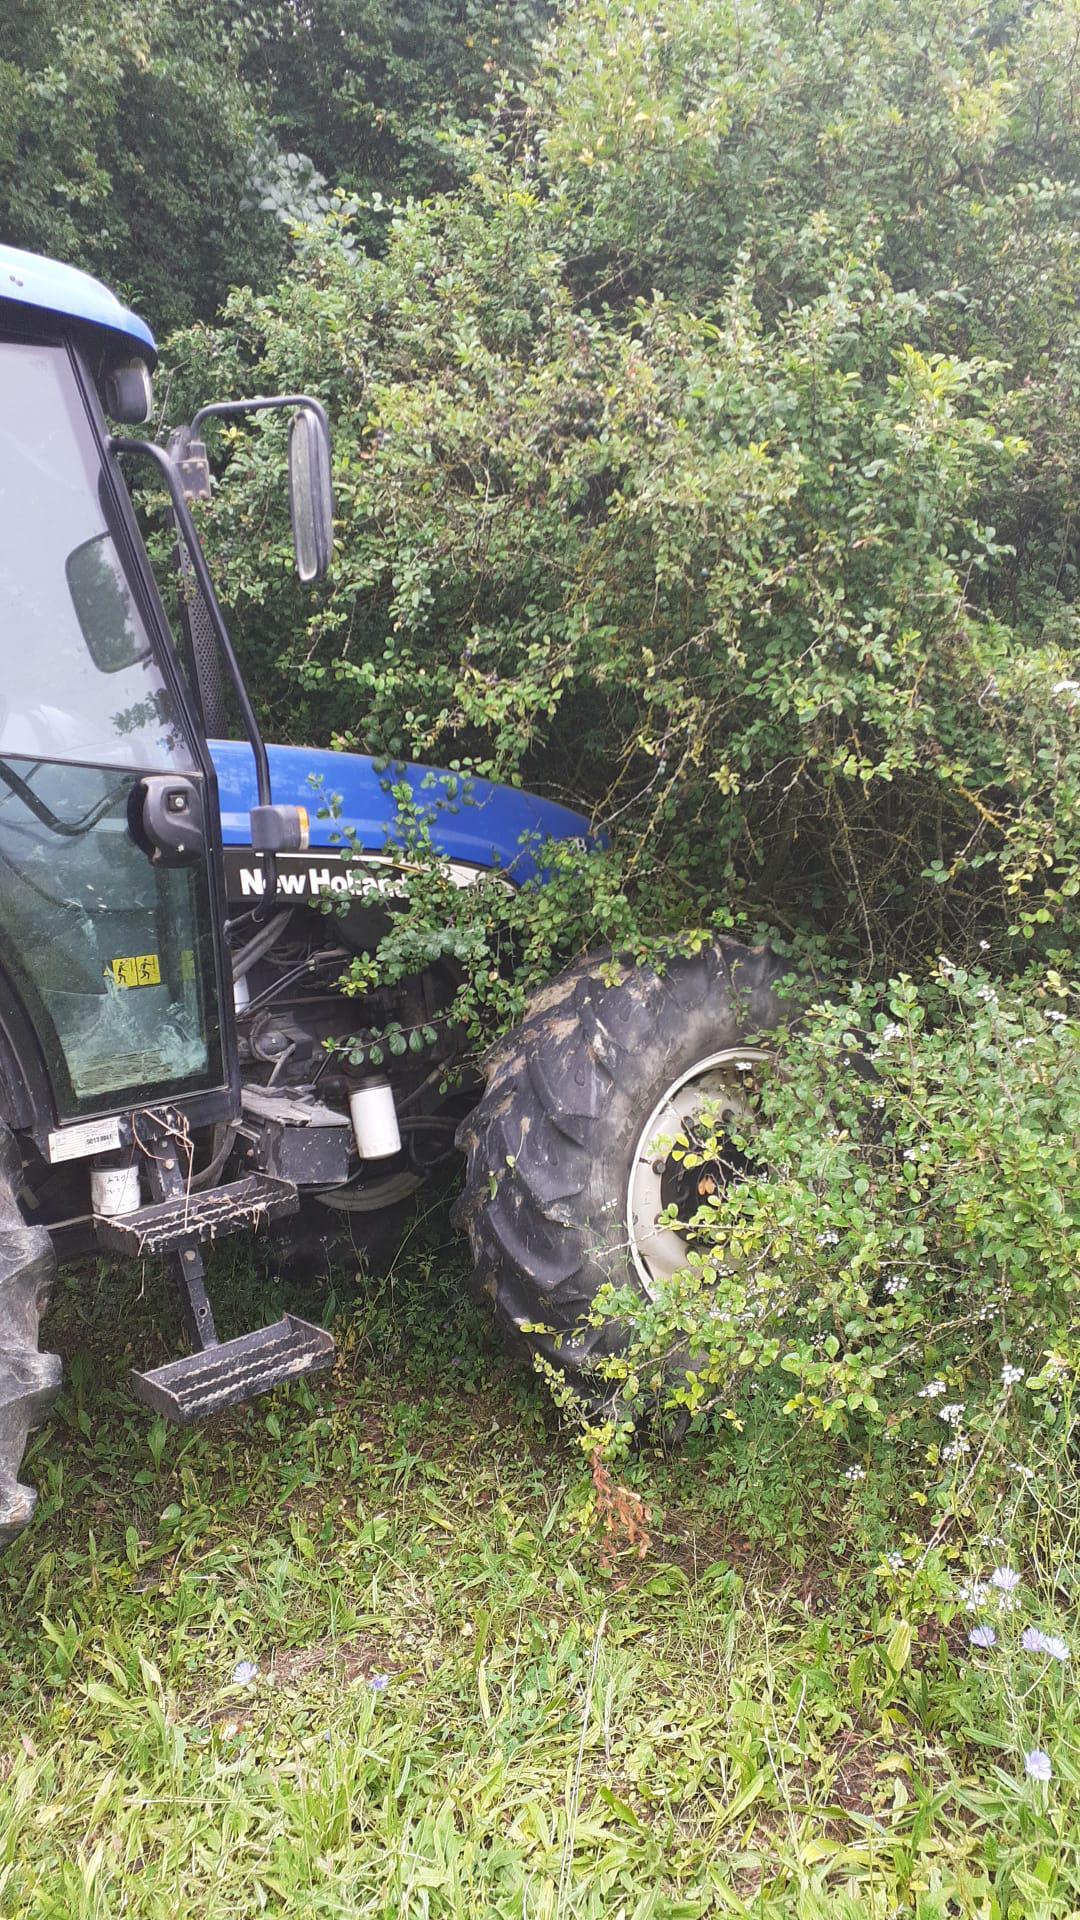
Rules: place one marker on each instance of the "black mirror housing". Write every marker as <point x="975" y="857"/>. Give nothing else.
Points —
<point x="127" y="393"/>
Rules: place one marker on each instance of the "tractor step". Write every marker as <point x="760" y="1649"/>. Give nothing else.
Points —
<point x="183" y="1220"/>
<point x="221" y="1376"/>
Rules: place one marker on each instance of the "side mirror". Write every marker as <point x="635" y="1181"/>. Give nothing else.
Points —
<point x="127" y="393"/>
<point x="311" y="493"/>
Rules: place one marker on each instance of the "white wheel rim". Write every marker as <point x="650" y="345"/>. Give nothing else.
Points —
<point x="660" y="1251"/>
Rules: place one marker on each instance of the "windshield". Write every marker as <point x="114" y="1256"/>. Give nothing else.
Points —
<point x="79" y="680"/>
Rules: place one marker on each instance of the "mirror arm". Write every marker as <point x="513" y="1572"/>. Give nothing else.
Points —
<point x="146" y="450"/>
<point x="226" y="409"/>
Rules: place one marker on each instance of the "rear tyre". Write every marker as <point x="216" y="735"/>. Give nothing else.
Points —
<point x="29" y="1379"/>
<point x="558" y="1149"/>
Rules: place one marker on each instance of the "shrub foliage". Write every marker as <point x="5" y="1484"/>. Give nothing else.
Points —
<point x="709" y="458"/>
<point x="899" y="1267"/>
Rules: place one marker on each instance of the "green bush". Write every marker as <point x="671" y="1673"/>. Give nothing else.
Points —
<point x="764" y="553"/>
<point x="902" y="1272"/>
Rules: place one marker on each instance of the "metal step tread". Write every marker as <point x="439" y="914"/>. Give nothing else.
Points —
<point x="192" y="1217"/>
<point x="218" y="1377"/>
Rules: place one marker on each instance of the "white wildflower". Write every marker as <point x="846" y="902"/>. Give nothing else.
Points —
<point x="932" y="1389"/>
<point x="952" y="1413"/>
<point x="1011" y="1376"/>
<point x="973" y="1595"/>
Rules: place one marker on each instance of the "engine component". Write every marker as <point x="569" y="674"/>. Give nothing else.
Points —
<point x="296" y="1138"/>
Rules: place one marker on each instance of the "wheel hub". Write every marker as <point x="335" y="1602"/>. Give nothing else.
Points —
<point x="713" y="1096"/>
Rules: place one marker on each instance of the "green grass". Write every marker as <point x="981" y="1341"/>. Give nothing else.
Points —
<point x="721" y="1727"/>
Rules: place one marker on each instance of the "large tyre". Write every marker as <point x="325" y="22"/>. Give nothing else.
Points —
<point x="29" y="1379"/>
<point x="557" y="1147"/>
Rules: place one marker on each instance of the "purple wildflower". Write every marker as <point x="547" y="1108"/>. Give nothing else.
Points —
<point x="1034" y="1640"/>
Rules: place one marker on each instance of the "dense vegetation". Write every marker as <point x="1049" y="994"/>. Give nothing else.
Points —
<point x="757" y="535"/>
<point x="706" y="391"/>
<point x="155" y="143"/>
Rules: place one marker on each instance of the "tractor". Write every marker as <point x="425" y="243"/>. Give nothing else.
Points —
<point x="175" y="1062"/>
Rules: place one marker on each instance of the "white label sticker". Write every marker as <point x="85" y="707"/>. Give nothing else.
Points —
<point x="93" y="1136"/>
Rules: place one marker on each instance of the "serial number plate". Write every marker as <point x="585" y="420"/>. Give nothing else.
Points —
<point x="75" y="1143"/>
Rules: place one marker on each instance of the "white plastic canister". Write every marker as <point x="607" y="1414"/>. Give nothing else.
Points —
<point x="374" y="1120"/>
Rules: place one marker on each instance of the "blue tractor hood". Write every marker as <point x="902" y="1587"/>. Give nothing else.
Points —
<point x="471" y="822"/>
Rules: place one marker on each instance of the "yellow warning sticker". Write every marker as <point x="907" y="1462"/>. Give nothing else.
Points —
<point x="135" y="970"/>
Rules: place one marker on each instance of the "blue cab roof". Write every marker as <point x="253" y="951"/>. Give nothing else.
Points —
<point x="485" y="826"/>
<point x="29" y="280"/>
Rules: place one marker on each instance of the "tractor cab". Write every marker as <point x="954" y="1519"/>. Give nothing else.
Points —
<point x="117" y="1032"/>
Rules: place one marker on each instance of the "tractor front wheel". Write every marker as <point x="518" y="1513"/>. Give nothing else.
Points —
<point x="29" y="1379"/>
<point x="571" y="1178"/>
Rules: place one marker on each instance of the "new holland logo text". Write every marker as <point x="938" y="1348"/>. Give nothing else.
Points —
<point x="374" y="877"/>
<point x="300" y="883"/>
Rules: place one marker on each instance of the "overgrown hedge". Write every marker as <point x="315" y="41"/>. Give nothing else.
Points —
<point x="710" y="460"/>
